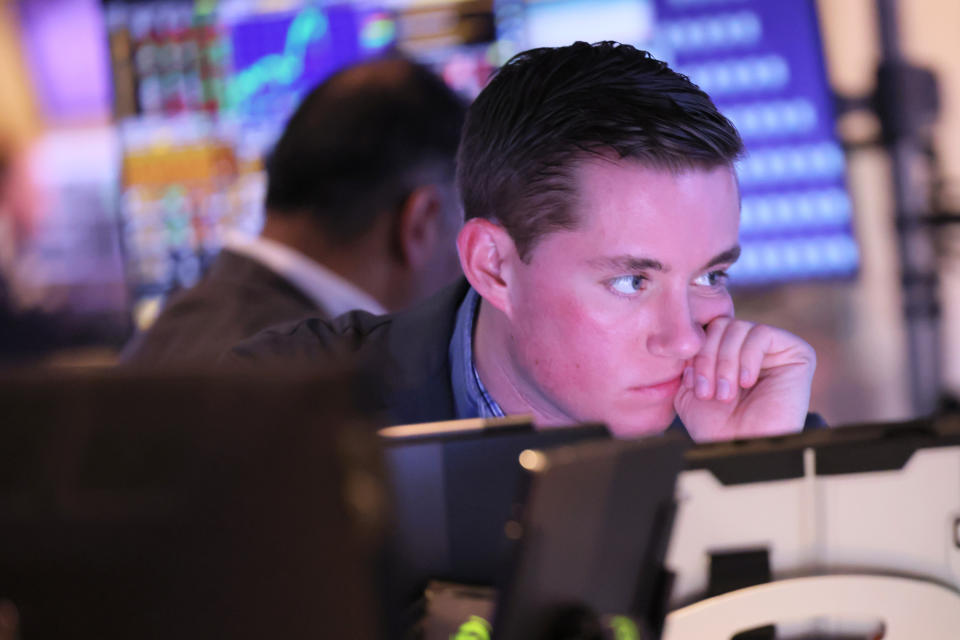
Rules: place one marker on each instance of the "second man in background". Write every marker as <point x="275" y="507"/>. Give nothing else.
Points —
<point x="361" y="213"/>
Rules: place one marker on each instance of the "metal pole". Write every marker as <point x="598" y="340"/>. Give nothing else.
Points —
<point x="918" y="259"/>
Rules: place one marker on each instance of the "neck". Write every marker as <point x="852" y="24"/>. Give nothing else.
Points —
<point x="502" y="374"/>
<point x="364" y="262"/>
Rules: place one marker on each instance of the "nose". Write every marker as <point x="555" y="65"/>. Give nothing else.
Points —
<point x="676" y="333"/>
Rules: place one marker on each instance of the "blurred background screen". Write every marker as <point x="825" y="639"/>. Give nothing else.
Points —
<point x="202" y="90"/>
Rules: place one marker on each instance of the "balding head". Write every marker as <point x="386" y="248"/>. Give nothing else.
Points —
<point x="389" y="74"/>
<point x="361" y="142"/>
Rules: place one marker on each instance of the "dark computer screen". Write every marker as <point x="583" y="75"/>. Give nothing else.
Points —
<point x="591" y="541"/>
<point x="453" y="494"/>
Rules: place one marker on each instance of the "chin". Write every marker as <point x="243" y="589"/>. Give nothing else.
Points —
<point x="636" y="426"/>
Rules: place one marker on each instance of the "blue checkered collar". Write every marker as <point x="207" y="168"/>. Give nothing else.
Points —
<point x="471" y="398"/>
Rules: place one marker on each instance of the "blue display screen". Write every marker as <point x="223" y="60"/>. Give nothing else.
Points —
<point x="277" y="58"/>
<point x="762" y="63"/>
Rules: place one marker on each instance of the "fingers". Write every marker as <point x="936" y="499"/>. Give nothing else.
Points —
<point x="730" y="363"/>
<point x="767" y="348"/>
<point x="754" y="350"/>
<point x="735" y="353"/>
<point x="700" y="376"/>
<point x="718" y="370"/>
<point x="753" y="380"/>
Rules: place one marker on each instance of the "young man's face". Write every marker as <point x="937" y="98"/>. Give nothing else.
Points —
<point x="606" y="316"/>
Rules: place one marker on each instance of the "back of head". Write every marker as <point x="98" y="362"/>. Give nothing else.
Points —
<point x="549" y="108"/>
<point x="361" y="141"/>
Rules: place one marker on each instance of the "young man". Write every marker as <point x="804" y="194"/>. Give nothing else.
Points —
<point x="602" y="214"/>
<point x="361" y="213"/>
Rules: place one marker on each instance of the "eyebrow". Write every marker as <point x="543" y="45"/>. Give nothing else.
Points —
<point x="731" y="255"/>
<point x="630" y="264"/>
<point x="627" y="263"/>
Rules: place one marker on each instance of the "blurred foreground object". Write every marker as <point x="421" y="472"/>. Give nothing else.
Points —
<point x="454" y="488"/>
<point x="908" y="608"/>
<point x="190" y="507"/>
<point x="607" y="572"/>
<point x="866" y="501"/>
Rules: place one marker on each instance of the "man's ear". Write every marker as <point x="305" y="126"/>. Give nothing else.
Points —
<point x="419" y="226"/>
<point x="486" y="254"/>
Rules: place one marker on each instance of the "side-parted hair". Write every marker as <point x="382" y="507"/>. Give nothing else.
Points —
<point x="361" y="141"/>
<point x="548" y="109"/>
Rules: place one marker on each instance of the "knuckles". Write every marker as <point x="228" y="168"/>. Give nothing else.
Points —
<point x="753" y="336"/>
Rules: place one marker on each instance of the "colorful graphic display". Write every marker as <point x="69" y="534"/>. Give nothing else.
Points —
<point x="201" y="92"/>
<point x="279" y="57"/>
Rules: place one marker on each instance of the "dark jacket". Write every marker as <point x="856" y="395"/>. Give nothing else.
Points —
<point x="237" y="298"/>
<point x="405" y="353"/>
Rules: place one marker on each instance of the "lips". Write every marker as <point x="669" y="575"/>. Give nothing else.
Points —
<point x="665" y="389"/>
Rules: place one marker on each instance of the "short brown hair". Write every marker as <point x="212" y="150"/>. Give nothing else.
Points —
<point x="547" y="108"/>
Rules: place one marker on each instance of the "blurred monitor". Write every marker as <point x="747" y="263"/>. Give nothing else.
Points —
<point x="455" y="485"/>
<point x="591" y="541"/>
<point x="194" y="506"/>
<point x="276" y="57"/>
<point x="202" y="90"/>
<point x="879" y="499"/>
<point x="553" y="23"/>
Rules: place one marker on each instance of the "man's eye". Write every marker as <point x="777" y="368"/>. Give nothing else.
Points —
<point x="718" y="278"/>
<point x="628" y="285"/>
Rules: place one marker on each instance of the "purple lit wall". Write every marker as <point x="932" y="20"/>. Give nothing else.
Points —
<point x="65" y="43"/>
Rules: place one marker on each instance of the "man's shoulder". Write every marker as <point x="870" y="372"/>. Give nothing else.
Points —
<point x="405" y="336"/>
<point x="314" y="337"/>
<point x="234" y="300"/>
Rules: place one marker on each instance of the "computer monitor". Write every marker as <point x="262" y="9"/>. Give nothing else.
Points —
<point x="591" y="541"/>
<point x="195" y="506"/>
<point x="455" y="486"/>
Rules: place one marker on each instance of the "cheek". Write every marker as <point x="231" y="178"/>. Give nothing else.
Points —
<point x="563" y="341"/>
<point x="547" y="317"/>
